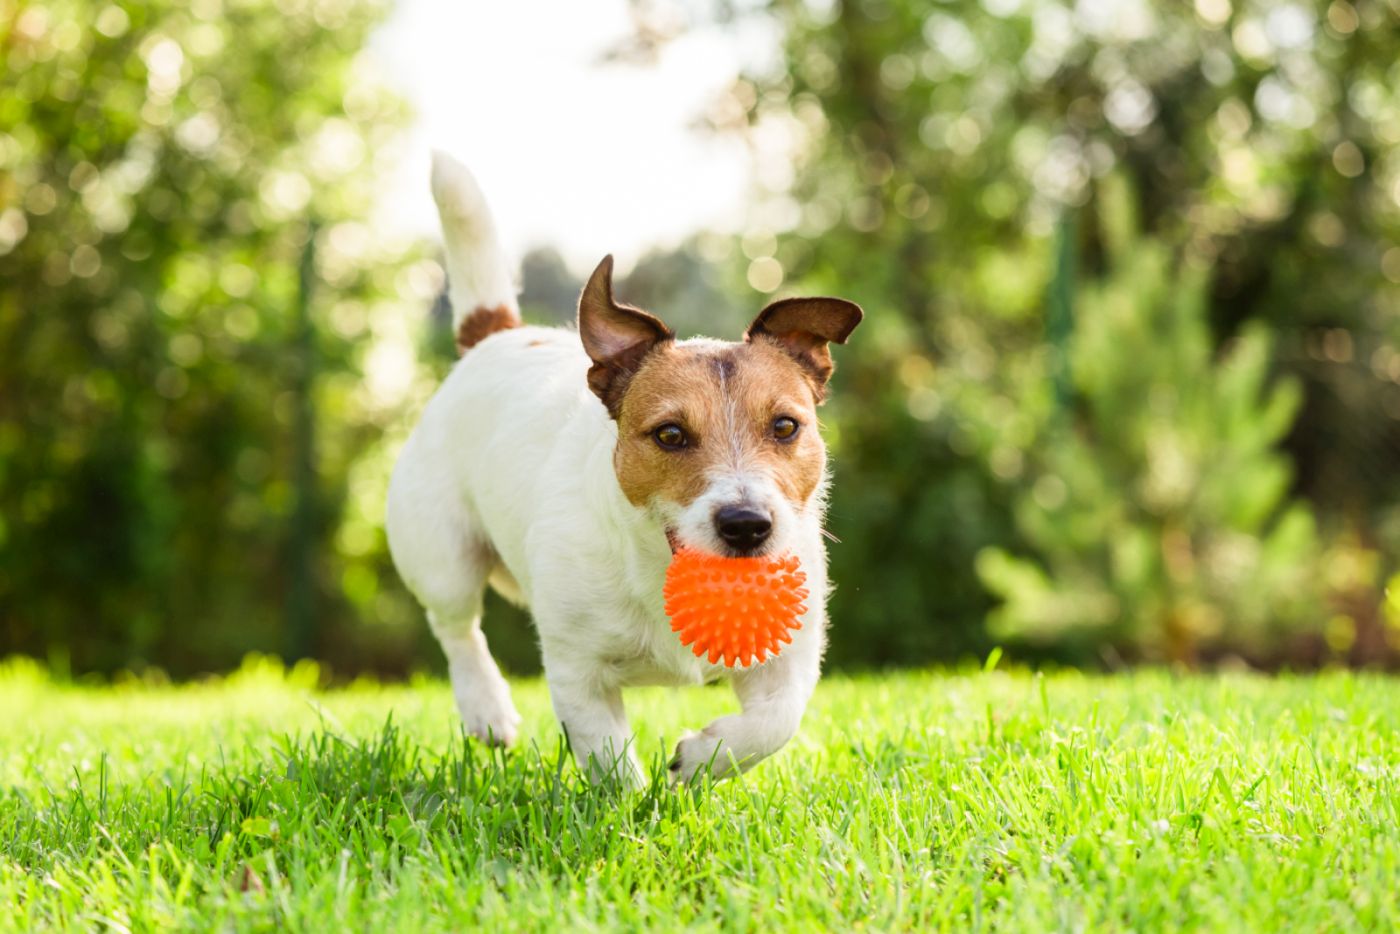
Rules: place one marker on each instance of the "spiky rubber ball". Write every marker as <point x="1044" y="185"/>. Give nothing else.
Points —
<point x="736" y="609"/>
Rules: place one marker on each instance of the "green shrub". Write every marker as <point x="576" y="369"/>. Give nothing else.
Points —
<point x="1153" y="511"/>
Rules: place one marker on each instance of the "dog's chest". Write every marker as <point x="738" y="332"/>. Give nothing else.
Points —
<point x="639" y="670"/>
<point x="640" y="649"/>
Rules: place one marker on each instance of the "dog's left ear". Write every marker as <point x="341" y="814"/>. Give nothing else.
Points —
<point x="803" y="327"/>
<point x="615" y="336"/>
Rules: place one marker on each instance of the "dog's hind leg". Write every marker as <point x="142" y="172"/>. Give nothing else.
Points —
<point x="446" y="563"/>
<point x="483" y="697"/>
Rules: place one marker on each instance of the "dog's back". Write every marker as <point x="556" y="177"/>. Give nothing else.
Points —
<point x="491" y="441"/>
<point x="517" y="400"/>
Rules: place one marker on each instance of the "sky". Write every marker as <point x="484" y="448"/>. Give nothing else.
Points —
<point x="592" y="158"/>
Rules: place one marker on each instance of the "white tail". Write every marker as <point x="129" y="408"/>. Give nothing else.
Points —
<point x="479" y="278"/>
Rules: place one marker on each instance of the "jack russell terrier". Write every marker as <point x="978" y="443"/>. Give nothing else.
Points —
<point x="564" y="468"/>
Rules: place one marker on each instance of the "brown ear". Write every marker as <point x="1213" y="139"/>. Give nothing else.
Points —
<point x="615" y="336"/>
<point x="803" y="327"/>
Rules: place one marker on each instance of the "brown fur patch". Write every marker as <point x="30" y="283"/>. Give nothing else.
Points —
<point x="482" y="323"/>
<point x="726" y="398"/>
<point x="616" y="337"/>
<point x="610" y="378"/>
<point x="803" y="327"/>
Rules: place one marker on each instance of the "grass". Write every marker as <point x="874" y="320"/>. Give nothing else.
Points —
<point x="919" y="800"/>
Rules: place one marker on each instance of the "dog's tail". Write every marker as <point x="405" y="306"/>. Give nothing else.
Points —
<point x="479" y="278"/>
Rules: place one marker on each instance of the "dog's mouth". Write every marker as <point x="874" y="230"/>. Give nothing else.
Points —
<point x="675" y="543"/>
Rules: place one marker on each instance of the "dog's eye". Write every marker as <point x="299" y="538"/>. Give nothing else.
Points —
<point x="671" y="437"/>
<point x="784" y="428"/>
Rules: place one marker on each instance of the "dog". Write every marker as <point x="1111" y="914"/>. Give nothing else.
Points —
<point x="565" y="467"/>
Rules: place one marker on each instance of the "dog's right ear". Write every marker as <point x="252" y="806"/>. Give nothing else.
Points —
<point x="615" y="336"/>
<point x="803" y="327"/>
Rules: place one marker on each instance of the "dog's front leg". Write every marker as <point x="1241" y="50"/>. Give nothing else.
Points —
<point x="773" y="697"/>
<point x="594" y="722"/>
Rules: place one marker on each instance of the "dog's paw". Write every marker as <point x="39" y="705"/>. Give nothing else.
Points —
<point x="490" y="717"/>
<point x="493" y="733"/>
<point x="697" y="753"/>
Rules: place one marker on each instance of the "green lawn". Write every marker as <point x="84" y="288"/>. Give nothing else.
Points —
<point x="917" y="800"/>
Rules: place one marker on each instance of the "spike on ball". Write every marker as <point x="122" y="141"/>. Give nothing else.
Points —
<point x="739" y="610"/>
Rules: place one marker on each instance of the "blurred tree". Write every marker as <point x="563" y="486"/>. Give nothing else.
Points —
<point x="160" y="167"/>
<point x="548" y="290"/>
<point x="1158" y="508"/>
<point x="684" y="288"/>
<point x="681" y="284"/>
<point x="918" y="156"/>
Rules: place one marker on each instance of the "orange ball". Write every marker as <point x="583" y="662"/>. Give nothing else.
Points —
<point x="736" y="609"/>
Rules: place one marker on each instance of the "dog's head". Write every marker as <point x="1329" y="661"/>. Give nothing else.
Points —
<point x="717" y="439"/>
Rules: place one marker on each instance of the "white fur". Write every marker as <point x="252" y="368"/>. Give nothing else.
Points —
<point x="477" y="271"/>
<point x="509" y="477"/>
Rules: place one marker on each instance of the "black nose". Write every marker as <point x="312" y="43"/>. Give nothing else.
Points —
<point x="742" y="528"/>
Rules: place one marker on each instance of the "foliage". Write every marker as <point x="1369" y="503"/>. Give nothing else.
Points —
<point x="1143" y="801"/>
<point x="209" y="347"/>
<point x="926" y="155"/>
<point x="1158" y="507"/>
<point x="181" y="450"/>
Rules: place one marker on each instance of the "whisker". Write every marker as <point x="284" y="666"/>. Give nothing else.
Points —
<point x="829" y="537"/>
